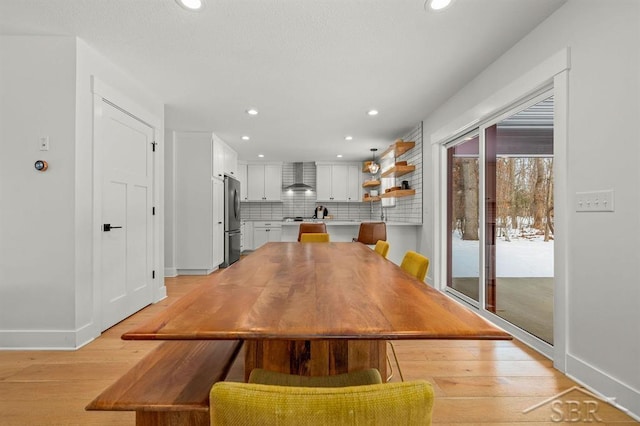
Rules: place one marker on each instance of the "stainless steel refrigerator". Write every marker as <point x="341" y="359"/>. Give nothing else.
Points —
<point x="231" y="221"/>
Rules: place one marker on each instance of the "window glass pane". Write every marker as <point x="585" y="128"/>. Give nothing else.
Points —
<point x="463" y="257"/>
<point x="519" y="219"/>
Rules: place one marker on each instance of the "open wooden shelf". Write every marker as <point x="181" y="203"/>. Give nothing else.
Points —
<point x="371" y="184"/>
<point x="370" y="199"/>
<point x="397" y="171"/>
<point x="397" y="149"/>
<point x="399" y="193"/>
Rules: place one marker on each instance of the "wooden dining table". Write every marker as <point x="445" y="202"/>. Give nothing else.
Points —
<point x="315" y="309"/>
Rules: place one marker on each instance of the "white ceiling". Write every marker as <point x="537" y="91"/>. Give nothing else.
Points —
<point x="311" y="67"/>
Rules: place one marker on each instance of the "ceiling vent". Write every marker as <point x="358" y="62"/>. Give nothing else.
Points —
<point x="298" y="181"/>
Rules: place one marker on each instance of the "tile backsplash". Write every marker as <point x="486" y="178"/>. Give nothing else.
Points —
<point x="300" y="203"/>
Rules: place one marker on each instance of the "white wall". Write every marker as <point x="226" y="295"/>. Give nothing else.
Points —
<point x="170" y="207"/>
<point x="37" y="81"/>
<point x="46" y="286"/>
<point x="603" y="330"/>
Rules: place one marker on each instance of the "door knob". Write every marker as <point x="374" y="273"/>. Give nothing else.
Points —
<point x="107" y="227"/>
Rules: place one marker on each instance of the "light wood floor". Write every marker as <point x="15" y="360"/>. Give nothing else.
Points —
<point x="476" y="382"/>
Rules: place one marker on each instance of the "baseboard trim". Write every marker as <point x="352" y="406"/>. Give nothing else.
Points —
<point x="170" y="272"/>
<point x="47" y="339"/>
<point x="195" y="271"/>
<point x="619" y="394"/>
<point x="86" y="334"/>
<point x="160" y="294"/>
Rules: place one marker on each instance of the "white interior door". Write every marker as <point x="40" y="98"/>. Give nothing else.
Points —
<point x="125" y="148"/>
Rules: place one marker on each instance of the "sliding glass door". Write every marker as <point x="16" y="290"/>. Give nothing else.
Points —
<point x="513" y="159"/>
<point x="463" y="212"/>
<point x="519" y="219"/>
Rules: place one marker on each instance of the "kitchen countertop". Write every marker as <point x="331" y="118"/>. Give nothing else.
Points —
<point x="337" y="222"/>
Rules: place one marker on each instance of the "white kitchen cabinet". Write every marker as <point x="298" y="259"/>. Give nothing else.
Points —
<point x="323" y="182"/>
<point x="266" y="232"/>
<point x="264" y="182"/>
<point x="199" y="205"/>
<point x="260" y="237"/>
<point x="225" y="159"/>
<point x="218" y="158"/>
<point x="273" y="182"/>
<point x="218" y="221"/>
<point x="337" y="182"/>
<point x="242" y="177"/>
<point x="354" y="188"/>
<point x="230" y="161"/>
<point x="255" y="182"/>
<point x="247" y="235"/>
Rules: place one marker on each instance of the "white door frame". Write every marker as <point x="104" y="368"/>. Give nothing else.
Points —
<point x="552" y="72"/>
<point x="102" y="92"/>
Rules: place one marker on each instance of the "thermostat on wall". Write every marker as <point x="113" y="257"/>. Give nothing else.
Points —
<point x="41" y="165"/>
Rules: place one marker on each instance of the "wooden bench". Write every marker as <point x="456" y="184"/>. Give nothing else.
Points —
<point x="170" y="386"/>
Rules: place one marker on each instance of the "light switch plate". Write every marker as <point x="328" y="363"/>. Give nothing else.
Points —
<point x="44" y="143"/>
<point x="595" y="201"/>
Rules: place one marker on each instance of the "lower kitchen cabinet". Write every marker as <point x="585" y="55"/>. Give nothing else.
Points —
<point x="247" y="236"/>
<point x="266" y="232"/>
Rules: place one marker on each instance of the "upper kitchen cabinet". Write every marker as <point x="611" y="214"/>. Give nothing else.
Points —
<point x="264" y="182"/>
<point x="230" y="161"/>
<point x="225" y="159"/>
<point x="354" y="189"/>
<point x="337" y="182"/>
<point x="242" y="177"/>
<point x="218" y="158"/>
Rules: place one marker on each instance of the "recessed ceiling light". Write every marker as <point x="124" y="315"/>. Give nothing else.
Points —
<point x="245" y="138"/>
<point x="372" y="112"/>
<point x="261" y="155"/>
<point x="438" y="4"/>
<point x="348" y="138"/>
<point x="191" y="4"/>
<point x="252" y="111"/>
<point x="339" y="155"/>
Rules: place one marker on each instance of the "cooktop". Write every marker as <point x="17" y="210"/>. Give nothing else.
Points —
<point x="296" y="219"/>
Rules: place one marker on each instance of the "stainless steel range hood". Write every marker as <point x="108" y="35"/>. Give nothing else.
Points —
<point x="298" y="181"/>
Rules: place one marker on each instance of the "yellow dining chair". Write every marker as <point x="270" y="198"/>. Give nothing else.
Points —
<point x="415" y="264"/>
<point x="370" y="376"/>
<point x="250" y="404"/>
<point x="314" y="238"/>
<point x="382" y="248"/>
<point x="311" y="227"/>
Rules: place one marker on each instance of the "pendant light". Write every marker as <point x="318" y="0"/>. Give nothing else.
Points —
<point x="374" y="167"/>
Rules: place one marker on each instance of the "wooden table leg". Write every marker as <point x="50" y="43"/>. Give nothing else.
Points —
<point x="315" y="357"/>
